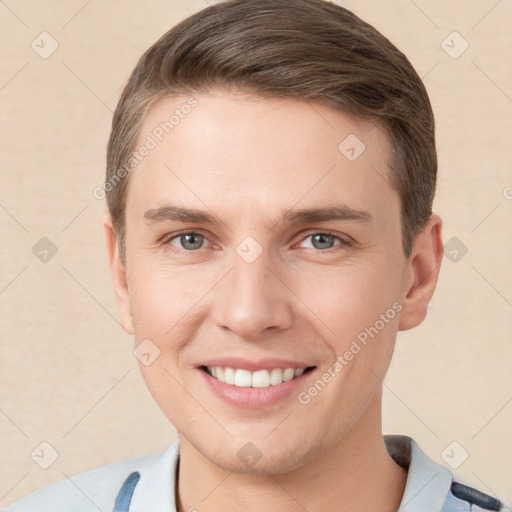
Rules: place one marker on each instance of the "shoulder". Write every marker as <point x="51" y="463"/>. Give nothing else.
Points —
<point x="93" y="490"/>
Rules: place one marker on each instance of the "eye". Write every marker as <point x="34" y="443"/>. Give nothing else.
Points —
<point x="188" y="241"/>
<point x="192" y="241"/>
<point x="323" y="241"/>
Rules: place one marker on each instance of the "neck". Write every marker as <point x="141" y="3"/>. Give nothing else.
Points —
<point x="357" y="473"/>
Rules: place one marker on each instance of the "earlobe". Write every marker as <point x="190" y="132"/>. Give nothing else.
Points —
<point x="424" y="265"/>
<point x="118" y="274"/>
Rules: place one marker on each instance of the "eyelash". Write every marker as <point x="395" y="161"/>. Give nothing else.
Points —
<point x="343" y="242"/>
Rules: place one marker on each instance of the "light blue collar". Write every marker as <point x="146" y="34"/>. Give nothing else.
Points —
<point x="428" y="483"/>
<point x="427" y="488"/>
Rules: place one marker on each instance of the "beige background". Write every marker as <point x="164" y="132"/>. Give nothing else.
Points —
<point x="68" y="376"/>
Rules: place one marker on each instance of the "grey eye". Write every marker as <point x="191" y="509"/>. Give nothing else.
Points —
<point x="191" y="241"/>
<point x="323" y="241"/>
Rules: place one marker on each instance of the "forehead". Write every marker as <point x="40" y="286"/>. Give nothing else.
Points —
<point x="238" y="151"/>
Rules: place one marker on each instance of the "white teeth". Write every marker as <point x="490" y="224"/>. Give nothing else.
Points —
<point x="276" y="376"/>
<point x="288" y="374"/>
<point x="260" y="379"/>
<point x="229" y="376"/>
<point x="257" y="379"/>
<point x="242" y="378"/>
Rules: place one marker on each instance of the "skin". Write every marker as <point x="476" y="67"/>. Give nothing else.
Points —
<point x="245" y="160"/>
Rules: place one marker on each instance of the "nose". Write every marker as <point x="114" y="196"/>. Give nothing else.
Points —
<point x="252" y="300"/>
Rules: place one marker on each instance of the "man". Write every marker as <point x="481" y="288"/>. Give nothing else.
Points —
<point x="270" y="177"/>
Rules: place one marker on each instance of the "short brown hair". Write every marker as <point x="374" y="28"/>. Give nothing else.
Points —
<point x="310" y="50"/>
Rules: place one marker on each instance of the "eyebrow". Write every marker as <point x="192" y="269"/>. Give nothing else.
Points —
<point x="330" y="213"/>
<point x="170" y="212"/>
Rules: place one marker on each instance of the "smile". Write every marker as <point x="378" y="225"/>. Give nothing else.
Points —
<point x="258" y="379"/>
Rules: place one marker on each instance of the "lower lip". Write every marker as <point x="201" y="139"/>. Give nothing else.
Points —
<point x="254" y="398"/>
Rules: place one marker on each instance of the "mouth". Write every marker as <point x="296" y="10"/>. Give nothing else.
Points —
<point x="239" y="377"/>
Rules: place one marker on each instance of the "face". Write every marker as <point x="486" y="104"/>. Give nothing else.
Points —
<point x="259" y="237"/>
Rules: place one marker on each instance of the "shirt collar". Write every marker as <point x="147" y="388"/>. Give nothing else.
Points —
<point x="427" y="485"/>
<point x="155" y="490"/>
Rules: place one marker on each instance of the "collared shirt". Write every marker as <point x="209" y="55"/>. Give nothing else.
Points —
<point x="147" y="484"/>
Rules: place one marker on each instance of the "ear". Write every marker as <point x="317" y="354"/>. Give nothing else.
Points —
<point x="424" y="265"/>
<point x="118" y="274"/>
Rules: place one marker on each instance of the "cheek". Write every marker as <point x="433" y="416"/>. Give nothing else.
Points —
<point x="161" y="296"/>
<point x="167" y="310"/>
<point x="347" y="298"/>
<point x="356" y="310"/>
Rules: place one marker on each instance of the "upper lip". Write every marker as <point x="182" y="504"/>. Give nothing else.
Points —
<point x="254" y="364"/>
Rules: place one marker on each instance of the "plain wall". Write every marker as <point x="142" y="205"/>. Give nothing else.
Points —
<point x="68" y="374"/>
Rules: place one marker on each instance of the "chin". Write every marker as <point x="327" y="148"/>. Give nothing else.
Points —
<point x="267" y="465"/>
